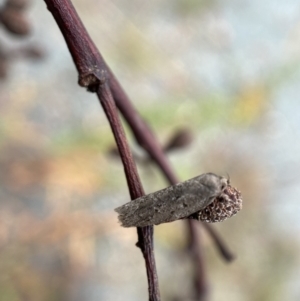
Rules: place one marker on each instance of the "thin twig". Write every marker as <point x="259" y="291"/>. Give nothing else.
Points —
<point x="93" y="75"/>
<point x="201" y="284"/>
<point x="145" y="234"/>
<point x="225" y="252"/>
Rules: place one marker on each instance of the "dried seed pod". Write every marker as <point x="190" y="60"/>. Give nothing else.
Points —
<point x="15" y="22"/>
<point x="175" y="202"/>
<point x="226" y="205"/>
<point x="114" y="152"/>
<point x="180" y="139"/>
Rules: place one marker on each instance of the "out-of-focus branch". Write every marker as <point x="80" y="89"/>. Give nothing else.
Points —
<point x="223" y="250"/>
<point x="201" y="284"/>
<point x="94" y="76"/>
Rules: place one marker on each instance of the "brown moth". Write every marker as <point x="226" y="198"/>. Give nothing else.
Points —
<point x="208" y="197"/>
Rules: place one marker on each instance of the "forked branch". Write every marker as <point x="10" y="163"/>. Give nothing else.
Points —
<point x="93" y="75"/>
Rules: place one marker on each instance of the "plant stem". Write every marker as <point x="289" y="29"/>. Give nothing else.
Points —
<point x="145" y="234"/>
<point x="93" y="74"/>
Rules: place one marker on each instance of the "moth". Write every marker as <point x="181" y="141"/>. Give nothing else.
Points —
<point x="207" y="197"/>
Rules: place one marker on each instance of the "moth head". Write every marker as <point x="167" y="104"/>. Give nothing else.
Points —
<point x="226" y="205"/>
<point x="224" y="182"/>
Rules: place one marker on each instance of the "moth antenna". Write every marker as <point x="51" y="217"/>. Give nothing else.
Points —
<point x="228" y="177"/>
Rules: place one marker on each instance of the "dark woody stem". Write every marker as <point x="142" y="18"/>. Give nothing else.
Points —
<point x="145" y="234"/>
<point x="94" y="76"/>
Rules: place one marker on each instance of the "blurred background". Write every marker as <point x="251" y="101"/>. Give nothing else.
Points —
<point x="223" y="76"/>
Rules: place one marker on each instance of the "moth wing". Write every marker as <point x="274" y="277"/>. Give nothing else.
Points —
<point x="184" y="206"/>
<point x="136" y="214"/>
<point x="172" y="203"/>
